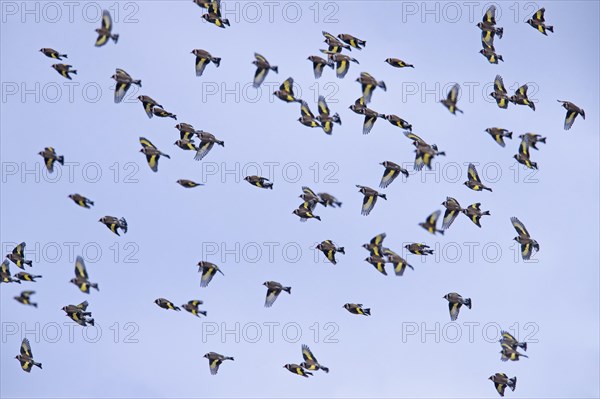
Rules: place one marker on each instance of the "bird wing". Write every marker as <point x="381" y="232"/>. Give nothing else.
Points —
<point x="414" y="137"/>
<point x="368" y="123"/>
<point x="432" y="219"/>
<point x="288" y="86"/>
<point x="490" y="15"/>
<point x="524" y="148"/>
<point x="106" y="21"/>
<point x="207" y="274"/>
<point x="272" y="294"/>
<point x="203" y="149"/>
<point x="472" y="175"/>
<point x="454" y="310"/>
<point x="499" y="84"/>
<point x="539" y="15"/>
<point x="307" y="190"/>
<point x="308" y="355"/>
<point x="26" y="348"/>
<point x="453" y="94"/>
<point x="378" y="239"/>
<point x="449" y="217"/>
<point x="305" y="110"/>
<point x="80" y="270"/>
<point x="570" y="118"/>
<point x="389" y="175"/>
<point x="18" y="250"/>
<point x="522" y="91"/>
<point x="323" y="108"/>
<point x="520" y="227"/>
<point x="259" y="76"/>
<point x="120" y="90"/>
<point x="368" y="204"/>
<point x="341" y="68"/>
<point x="5" y="267"/>
<point x="146" y="143"/>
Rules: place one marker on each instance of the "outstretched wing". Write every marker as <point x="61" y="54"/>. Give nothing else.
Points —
<point x="80" y="270"/>
<point x="520" y="227"/>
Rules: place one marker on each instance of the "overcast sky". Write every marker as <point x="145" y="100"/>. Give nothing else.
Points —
<point x="408" y="347"/>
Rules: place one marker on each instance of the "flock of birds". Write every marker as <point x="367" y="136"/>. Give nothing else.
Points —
<point x="379" y="255"/>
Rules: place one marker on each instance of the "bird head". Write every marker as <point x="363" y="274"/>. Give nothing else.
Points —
<point x="295" y="211"/>
<point x="98" y="30"/>
<point x="55" y="66"/>
<point x="71" y="196"/>
<point x="491" y="378"/>
<point x="266" y="283"/>
<point x="42" y="50"/>
<point x="516" y="157"/>
<point x="346" y="306"/>
<point x="101" y="220"/>
<point x="465" y="183"/>
<point x="406" y="246"/>
<point x="247" y="178"/>
<point x="388" y="60"/>
<point x="206" y="355"/>
<point x="368" y="259"/>
<point x="156" y="301"/>
<point x="73" y="280"/>
<point x="205" y="16"/>
<point x="479" y="24"/>
<point x="446" y="296"/>
<point x="64" y="308"/>
<point x="529" y="21"/>
<point x="17" y="357"/>
<point x="481" y="51"/>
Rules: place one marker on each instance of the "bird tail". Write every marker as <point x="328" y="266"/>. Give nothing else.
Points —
<point x="341" y="250"/>
<point x="468" y="302"/>
<point x="307" y="373"/>
<point x="216" y="60"/>
<point x="523" y="345"/>
<point x="225" y="21"/>
<point x="533" y="165"/>
<point x="137" y="82"/>
<point x="487" y="188"/>
<point x="63" y="55"/>
<point x="325" y="369"/>
<point x="38" y="364"/>
<point x="288" y="289"/>
<point x="29" y="263"/>
<point x="367" y="311"/>
<point x="17" y="281"/>
<point x="336" y="118"/>
<point x="115" y="37"/>
<point x="221" y="143"/>
<point x="275" y="69"/>
<point x="383" y="196"/>
<point x="177" y="308"/>
<point x="173" y="116"/>
<point x="500" y="57"/>
<point x="330" y="64"/>
<point x="61" y="160"/>
<point x="499" y="32"/>
<point x="441" y="232"/>
<point x="203" y="312"/>
<point x="550" y="28"/>
<point x="382" y="85"/>
<point x="95" y="286"/>
<point x="165" y="155"/>
<point x="74" y="72"/>
<point x="91" y="321"/>
<point x="34" y="305"/>
<point x="582" y="115"/>
<point x="409" y="128"/>
<point x="338" y="204"/>
<point x="229" y="358"/>
<point x="428" y="251"/>
<point x="91" y="202"/>
<point x="486" y="213"/>
<point x="36" y="276"/>
<point x="542" y="140"/>
<point x="404" y="172"/>
<point x="318" y="218"/>
<point x="512" y="383"/>
<point x="509" y="135"/>
<point x="269" y="185"/>
<point x="532" y="105"/>
<point x="123" y="224"/>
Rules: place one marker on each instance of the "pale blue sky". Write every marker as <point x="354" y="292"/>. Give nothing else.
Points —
<point x="170" y="228"/>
